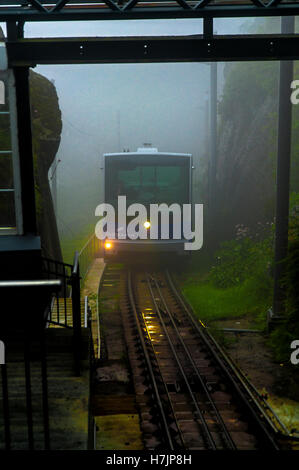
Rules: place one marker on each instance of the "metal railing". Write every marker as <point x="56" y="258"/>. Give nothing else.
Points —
<point x="28" y="339"/>
<point x="76" y="309"/>
<point x="90" y="250"/>
<point x="88" y="324"/>
<point x="92" y="363"/>
<point x="65" y="310"/>
<point x="87" y="313"/>
<point x="8" y="439"/>
<point x="54" y="301"/>
<point x="58" y="313"/>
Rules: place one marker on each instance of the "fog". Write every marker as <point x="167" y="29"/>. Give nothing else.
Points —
<point x="108" y="108"/>
<point x="111" y="107"/>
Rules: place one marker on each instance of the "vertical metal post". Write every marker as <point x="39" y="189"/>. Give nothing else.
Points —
<point x="15" y="30"/>
<point x="27" y="351"/>
<point x="208" y="32"/>
<point x="64" y="294"/>
<point x="76" y="305"/>
<point x="213" y="133"/>
<point x="45" y="390"/>
<point x="25" y="149"/>
<point x="207" y="153"/>
<point x="5" y="407"/>
<point x="283" y="174"/>
<point x="212" y="159"/>
<point x="20" y="29"/>
<point x="12" y="30"/>
<point x="208" y="28"/>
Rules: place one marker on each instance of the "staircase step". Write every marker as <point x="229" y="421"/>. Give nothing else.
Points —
<point x="68" y="394"/>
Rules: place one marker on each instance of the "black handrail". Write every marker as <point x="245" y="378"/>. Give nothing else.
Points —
<point x="76" y="307"/>
<point x="76" y="263"/>
<point x="53" y="283"/>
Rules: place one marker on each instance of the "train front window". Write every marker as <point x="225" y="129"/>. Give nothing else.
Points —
<point x="148" y="183"/>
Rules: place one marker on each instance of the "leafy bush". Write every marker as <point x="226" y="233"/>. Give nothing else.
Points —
<point x="247" y="256"/>
<point x="284" y="334"/>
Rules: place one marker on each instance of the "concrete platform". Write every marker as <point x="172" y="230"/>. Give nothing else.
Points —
<point x="91" y="289"/>
<point x="113" y="400"/>
<point x="118" y="432"/>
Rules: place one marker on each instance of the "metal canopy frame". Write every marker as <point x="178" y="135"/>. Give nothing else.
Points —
<point x="61" y="10"/>
<point x="205" y="47"/>
<point x="29" y="52"/>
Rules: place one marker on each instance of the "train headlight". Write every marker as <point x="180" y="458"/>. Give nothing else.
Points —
<point x="147" y="224"/>
<point x="108" y="245"/>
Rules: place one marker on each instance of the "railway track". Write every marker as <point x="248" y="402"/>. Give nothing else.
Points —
<point x="189" y="395"/>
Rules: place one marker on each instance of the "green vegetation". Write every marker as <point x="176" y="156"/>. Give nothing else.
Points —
<point x="239" y="281"/>
<point x="240" y="284"/>
<point x="246" y="257"/>
<point x="75" y="242"/>
<point x="214" y="303"/>
<point x="284" y="334"/>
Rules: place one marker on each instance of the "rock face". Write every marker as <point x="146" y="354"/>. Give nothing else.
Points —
<point x="46" y="129"/>
<point x="244" y="171"/>
<point x="245" y="191"/>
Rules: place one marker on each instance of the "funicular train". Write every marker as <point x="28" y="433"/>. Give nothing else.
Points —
<point x="150" y="178"/>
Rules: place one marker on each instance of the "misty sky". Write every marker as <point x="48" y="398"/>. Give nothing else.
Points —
<point x="106" y="108"/>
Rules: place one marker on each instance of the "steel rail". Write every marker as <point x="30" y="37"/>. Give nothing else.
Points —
<point x="202" y="421"/>
<point x="227" y="435"/>
<point x="209" y="340"/>
<point x="166" y="392"/>
<point x="148" y="362"/>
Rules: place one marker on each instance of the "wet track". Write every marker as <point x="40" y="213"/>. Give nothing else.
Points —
<point x="189" y="396"/>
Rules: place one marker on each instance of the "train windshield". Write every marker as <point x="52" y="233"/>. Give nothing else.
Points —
<point x="148" y="179"/>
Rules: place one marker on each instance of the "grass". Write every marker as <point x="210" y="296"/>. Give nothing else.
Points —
<point x="211" y="303"/>
<point x="70" y="245"/>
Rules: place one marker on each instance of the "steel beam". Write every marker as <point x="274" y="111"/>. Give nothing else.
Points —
<point x="145" y="10"/>
<point x="29" y="52"/>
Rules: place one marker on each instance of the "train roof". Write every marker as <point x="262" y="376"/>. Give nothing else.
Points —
<point x="148" y="151"/>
